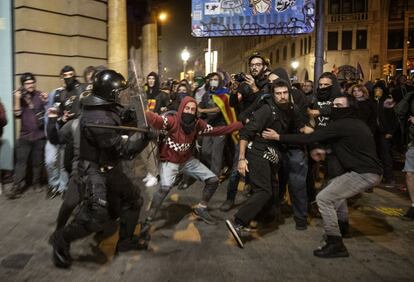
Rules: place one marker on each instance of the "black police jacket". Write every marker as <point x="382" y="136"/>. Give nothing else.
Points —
<point x="106" y="147"/>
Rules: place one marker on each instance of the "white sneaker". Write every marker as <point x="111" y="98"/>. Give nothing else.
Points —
<point x="147" y="177"/>
<point x="152" y="181"/>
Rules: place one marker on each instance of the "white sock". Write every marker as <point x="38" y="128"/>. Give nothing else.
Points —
<point x="201" y="206"/>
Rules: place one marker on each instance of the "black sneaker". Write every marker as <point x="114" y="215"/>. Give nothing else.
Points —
<point x="301" y="224"/>
<point x="203" y="214"/>
<point x="409" y="215"/>
<point x="227" y="205"/>
<point x="236" y="231"/>
<point x="334" y="248"/>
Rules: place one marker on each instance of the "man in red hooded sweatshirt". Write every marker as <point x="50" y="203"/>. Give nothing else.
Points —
<point x="176" y="156"/>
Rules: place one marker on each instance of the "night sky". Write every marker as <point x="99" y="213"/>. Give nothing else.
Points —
<point x="176" y="34"/>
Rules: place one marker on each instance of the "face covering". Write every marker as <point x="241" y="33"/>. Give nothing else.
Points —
<point x="181" y="95"/>
<point x="188" y="122"/>
<point x="214" y="83"/>
<point x="324" y="94"/>
<point x="340" y="113"/>
<point x="70" y="82"/>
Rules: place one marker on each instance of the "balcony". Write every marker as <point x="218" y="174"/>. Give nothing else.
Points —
<point x="347" y="18"/>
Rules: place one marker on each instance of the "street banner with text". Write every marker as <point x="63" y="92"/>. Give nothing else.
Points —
<point x="217" y="18"/>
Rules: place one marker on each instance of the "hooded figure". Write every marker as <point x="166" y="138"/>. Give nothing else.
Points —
<point x="182" y="130"/>
<point x="324" y="98"/>
<point x="155" y="97"/>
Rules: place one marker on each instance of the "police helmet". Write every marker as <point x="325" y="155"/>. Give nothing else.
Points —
<point x="106" y="86"/>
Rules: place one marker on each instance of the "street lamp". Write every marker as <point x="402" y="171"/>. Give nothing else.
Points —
<point x="162" y="17"/>
<point x="294" y="65"/>
<point x="185" y="55"/>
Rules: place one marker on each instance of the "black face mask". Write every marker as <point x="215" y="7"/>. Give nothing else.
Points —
<point x="181" y="95"/>
<point x="70" y="82"/>
<point x="340" y="113"/>
<point x="188" y="122"/>
<point x="324" y="94"/>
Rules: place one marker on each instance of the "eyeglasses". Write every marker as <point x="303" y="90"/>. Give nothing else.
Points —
<point x="256" y="65"/>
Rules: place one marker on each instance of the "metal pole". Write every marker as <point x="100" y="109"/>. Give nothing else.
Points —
<point x="405" y="46"/>
<point x="209" y="56"/>
<point x="319" y="42"/>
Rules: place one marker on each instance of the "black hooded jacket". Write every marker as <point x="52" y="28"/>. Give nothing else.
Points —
<point x="324" y="100"/>
<point x="156" y="98"/>
<point x="299" y="98"/>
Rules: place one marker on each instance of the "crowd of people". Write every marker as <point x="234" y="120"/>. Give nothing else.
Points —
<point x="275" y="135"/>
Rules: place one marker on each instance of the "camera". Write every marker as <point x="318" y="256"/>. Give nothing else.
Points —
<point x="240" y="77"/>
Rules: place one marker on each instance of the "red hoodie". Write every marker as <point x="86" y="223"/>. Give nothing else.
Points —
<point x="177" y="146"/>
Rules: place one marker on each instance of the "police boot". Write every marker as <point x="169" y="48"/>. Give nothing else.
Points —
<point x="61" y="255"/>
<point x="334" y="248"/>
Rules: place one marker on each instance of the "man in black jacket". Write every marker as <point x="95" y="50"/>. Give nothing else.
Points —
<point x="260" y="157"/>
<point x="353" y="144"/>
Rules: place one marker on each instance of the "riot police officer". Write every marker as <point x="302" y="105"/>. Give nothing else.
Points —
<point x="109" y="193"/>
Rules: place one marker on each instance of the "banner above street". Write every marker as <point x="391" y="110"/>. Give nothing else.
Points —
<point x="216" y="18"/>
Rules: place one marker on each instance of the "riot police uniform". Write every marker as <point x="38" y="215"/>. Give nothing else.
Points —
<point x="109" y="193"/>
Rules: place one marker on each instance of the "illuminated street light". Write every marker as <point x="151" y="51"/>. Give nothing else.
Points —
<point x="162" y="17"/>
<point x="295" y="65"/>
<point x="185" y="55"/>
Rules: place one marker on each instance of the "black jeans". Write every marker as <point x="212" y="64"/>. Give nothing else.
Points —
<point x="24" y="150"/>
<point x="385" y="155"/>
<point x="262" y="178"/>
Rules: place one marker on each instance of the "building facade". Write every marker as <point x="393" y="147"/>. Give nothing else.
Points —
<point x="51" y="34"/>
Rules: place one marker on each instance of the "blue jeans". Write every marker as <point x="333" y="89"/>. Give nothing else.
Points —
<point x="56" y="173"/>
<point x="193" y="167"/>
<point x="293" y="172"/>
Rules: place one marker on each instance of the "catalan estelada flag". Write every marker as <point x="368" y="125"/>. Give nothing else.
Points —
<point x="222" y="99"/>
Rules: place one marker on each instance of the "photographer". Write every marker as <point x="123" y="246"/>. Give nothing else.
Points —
<point x="29" y="107"/>
<point x="251" y="86"/>
<point x="244" y="100"/>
